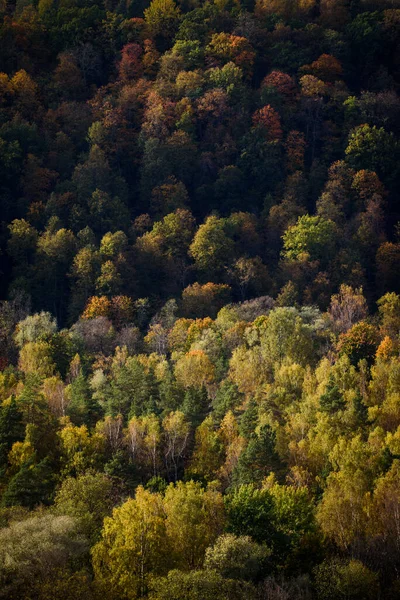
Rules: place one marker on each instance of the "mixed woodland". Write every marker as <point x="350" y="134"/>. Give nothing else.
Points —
<point x="199" y="299"/>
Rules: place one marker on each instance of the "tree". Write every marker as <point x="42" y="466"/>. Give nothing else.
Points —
<point x="284" y="334"/>
<point x="195" y="518"/>
<point x="250" y="274"/>
<point x="360" y="342"/>
<point x="347" y="308"/>
<point x="387" y="261"/>
<point x="258" y="459"/>
<point x="33" y="549"/>
<point x="133" y="546"/>
<point x="35" y="328"/>
<point x="205" y="300"/>
<point x="88" y="499"/>
<point x="373" y="148"/>
<point x="11" y="430"/>
<point x="346" y="579"/>
<point x="143" y="438"/>
<point x="195" y="369"/>
<point x="80" y="451"/>
<point x="332" y="399"/>
<point x="384" y="525"/>
<point x="326" y="67"/>
<point x="311" y="237"/>
<point x="389" y="311"/>
<point x="342" y="512"/>
<point x="200" y="585"/>
<point x="224" y="48"/>
<point x="282" y="82"/>
<point x="207" y="453"/>
<point x="54" y="392"/>
<point x="267" y="120"/>
<point x="97" y="306"/>
<point x="55" y="251"/>
<point x="250" y="512"/>
<point x="212" y="248"/>
<point x="32" y="485"/>
<point x="287" y="9"/>
<point x="176" y="434"/>
<point x="22" y="243"/>
<point x="295" y="150"/>
<point x="162" y="18"/>
<point x="294" y="520"/>
<point x="237" y="557"/>
<point x="130" y="66"/>
<point x="36" y="358"/>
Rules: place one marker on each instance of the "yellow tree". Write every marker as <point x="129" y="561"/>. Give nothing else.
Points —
<point x="233" y="445"/>
<point x="195" y="369"/>
<point x="195" y="518"/>
<point x="207" y="454"/>
<point x="176" y="435"/>
<point x="133" y="547"/>
<point x="80" y="450"/>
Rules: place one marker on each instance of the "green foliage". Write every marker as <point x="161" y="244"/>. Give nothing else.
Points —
<point x="336" y="579"/>
<point x="199" y="259"/>
<point x="249" y="513"/>
<point x="311" y="238"/>
<point x="11" y="430"/>
<point x="88" y="499"/>
<point x="34" y="548"/>
<point x="32" y="485"/>
<point x="372" y="148"/>
<point x="200" y="585"/>
<point x="237" y="557"/>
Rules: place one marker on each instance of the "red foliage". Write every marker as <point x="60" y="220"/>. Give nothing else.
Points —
<point x="269" y="120"/>
<point x="130" y="65"/>
<point x="282" y="82"/>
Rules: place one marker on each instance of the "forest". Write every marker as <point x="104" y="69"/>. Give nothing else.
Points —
<point x="199" y="300"/>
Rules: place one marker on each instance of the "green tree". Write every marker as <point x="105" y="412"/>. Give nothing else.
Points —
<point x="373" y="148"/>
<point x="250" y="512"/>
<point x="87" y="498"/>
<point x="212" y="248"/>
<point x="32" y="485"/>
<point x="162" y="17"/>
<point x="352" y="580"/>
<point x="11" y="430"/>
<point x="312" y="237"/>
<point x="33" y="549"/>
<point x="237" y="557"/>
<point x="200" y="585"/>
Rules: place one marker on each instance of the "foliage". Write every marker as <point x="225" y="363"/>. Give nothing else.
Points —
<point x="199" y="303"/>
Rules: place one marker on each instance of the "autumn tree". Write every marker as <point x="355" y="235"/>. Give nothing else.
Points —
<point x="194" y="519"/>
<point x="133" y="546"/>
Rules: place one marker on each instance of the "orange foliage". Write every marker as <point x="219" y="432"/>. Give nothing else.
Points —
<point x="282" y="82"/>
<point x="121" y="310"/>
<point x="295" y="150"/>
<point x="97" y="306"/>
<point x="367" y="183"/>
<point x="225" y="47"/>
<point x="326" y="67"/>
<point x="268" y="119"/>
<point x="205" y="300"/>
<point x="386" y="349"/>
